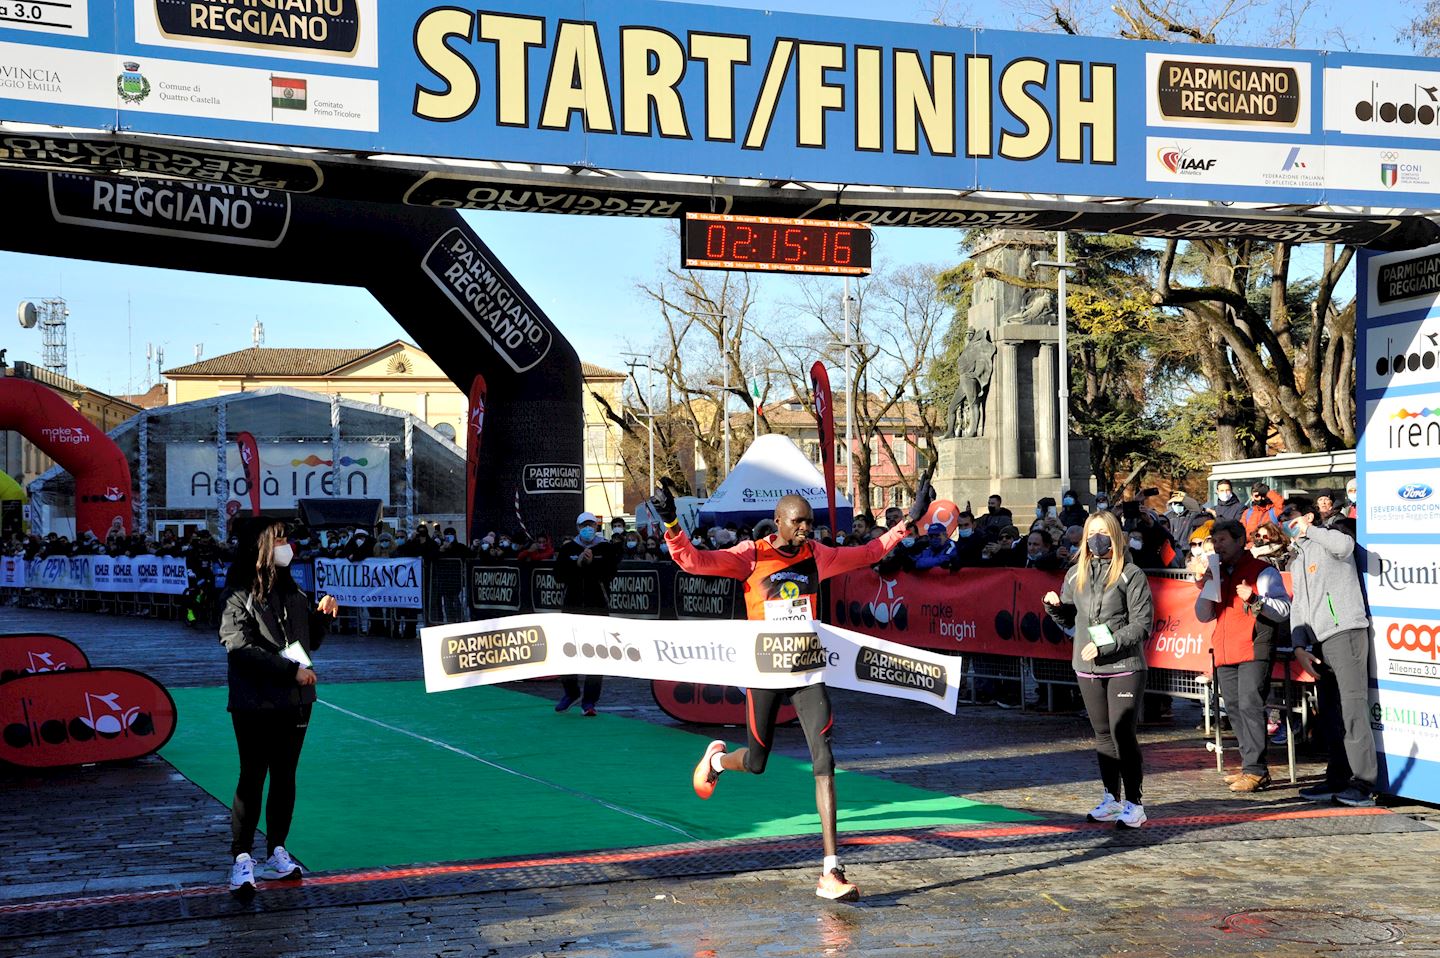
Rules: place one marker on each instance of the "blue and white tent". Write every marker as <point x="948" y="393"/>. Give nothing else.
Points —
<point x="773" y="467"/>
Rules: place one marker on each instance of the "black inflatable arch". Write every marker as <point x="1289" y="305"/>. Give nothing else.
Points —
<point x="425" y="266"/>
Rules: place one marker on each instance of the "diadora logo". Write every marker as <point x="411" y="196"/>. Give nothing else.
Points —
<point x="1181" y="163"/>
<point x="1409" y="637"/>
<point x="1415" y="491"/>
<point x="612" y="647"/>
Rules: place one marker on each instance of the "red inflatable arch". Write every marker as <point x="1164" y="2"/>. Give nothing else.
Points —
<point x="102" y="474"/>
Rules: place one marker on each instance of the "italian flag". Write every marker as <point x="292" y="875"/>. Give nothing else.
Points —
<point x="755" y="391"/>
<point x="287" y="93"/>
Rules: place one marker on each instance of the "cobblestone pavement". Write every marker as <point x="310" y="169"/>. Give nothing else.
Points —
<point x="1299" y="886"/>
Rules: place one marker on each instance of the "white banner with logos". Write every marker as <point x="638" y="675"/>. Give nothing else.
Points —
<point x="158" y="575"/>
<point x="372" y="583"/>
<point x="288" y="471"/>
<point x="12" y="573"/>
<point x="768" y="655"/>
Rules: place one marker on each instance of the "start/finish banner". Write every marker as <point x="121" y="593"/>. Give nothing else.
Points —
<point x="770" y="655"/>
<point x="709" y="90"/>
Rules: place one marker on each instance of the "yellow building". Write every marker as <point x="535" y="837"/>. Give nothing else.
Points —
<point x="401" y="376"/>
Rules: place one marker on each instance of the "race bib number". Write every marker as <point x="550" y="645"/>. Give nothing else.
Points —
<point x="788" y="610"/>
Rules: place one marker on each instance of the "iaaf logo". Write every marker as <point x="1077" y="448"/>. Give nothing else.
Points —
<point x="1415" y="491"/>
<point x="65" y="434"/>
<point x="105" y="716"/>
<point x="1181" y="163"/>
<point x="1409" y="637"/>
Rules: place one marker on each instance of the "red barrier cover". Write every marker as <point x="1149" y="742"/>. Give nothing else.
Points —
<point x="999" y="612"/>
<point x="707" y="704"/>
<point x="37" y="653"/>
<point x="77" y="718"/>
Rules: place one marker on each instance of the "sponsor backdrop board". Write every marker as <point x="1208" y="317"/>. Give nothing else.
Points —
<point x="739" y="93"/>
<point x="289" y="471"/>
<point x="1398" y="472"/>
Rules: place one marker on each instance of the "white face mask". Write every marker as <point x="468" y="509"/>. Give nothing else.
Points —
<point x="1225" y="495"/>
<point x="283" y="555"/>
<point x="1135" y="543"/>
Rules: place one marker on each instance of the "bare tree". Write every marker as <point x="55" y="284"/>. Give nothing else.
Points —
<point x="901" y="319"/>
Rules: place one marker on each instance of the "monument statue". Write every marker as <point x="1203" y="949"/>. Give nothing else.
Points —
<point x="976" y="365"/>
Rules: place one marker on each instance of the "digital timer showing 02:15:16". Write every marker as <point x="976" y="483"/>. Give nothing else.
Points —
<point x="772" y="243"/>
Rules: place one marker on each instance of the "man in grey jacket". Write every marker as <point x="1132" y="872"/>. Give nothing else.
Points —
<point x="1331" y="632"/>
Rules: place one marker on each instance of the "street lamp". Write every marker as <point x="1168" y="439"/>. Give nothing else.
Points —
<point x="649" y="404"/>
<point x="724" y="361"/>
<point x="1062" y="270"/>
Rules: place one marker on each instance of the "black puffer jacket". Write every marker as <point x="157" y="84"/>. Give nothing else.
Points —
<point x="1128" y="608"/>
<point x="253" y="632"/>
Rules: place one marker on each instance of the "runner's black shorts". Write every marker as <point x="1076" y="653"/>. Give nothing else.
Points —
<point x="812" y="707"/>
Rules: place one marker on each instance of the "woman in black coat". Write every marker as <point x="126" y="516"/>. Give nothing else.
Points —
<point x="268" y="630"/>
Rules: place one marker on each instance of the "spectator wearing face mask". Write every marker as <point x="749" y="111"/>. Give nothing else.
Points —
<point x="584" y="566"/>
<point x="996" y="518"/>
<point x="360" y="547"/>
<point x="1071" y="512"/>
<point x="631" y="546"/>
<point x="1184" y="516"/>
<point x="1264" y="507"/>
<point x="938" y="551"/>
<point x="385" y="544"/>
<point x="1352" y="496"/>
<point x="451" y="547"/>
<point x="1227" y="504"/>
<point x="968" y="544"/>
<point x="1040" y="552"/>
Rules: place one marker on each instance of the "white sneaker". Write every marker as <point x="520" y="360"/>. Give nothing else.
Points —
<point x="242" y="876"/>
<point x="278" y="866"/>
<point x="1131" y="816"/>
<point x="1107" y="811"/>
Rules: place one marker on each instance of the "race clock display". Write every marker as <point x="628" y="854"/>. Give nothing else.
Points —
<point x="775" y="244"/>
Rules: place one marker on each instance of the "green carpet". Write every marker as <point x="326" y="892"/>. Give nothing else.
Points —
<point x="374" y="795"/>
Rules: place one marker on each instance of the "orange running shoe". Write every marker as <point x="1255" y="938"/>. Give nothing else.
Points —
<point x="705" y="775"/>
<point x="832" y="885"/>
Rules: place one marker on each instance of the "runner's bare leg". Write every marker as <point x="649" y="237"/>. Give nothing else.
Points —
<point x="825" y="805"/>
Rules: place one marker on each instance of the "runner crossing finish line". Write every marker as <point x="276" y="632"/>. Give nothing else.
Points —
<point x="781" y="650"/>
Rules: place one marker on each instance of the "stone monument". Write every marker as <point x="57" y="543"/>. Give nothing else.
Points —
<point x="1003" y="430"/>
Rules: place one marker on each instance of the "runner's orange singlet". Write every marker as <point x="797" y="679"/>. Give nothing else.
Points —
<point x="779" y="576"/>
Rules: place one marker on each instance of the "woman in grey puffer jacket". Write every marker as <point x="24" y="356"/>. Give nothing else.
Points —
<point x="1106" y="605"/>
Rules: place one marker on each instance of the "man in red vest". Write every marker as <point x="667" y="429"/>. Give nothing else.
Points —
<point x="1252" y="608"/>
<point x="778" y="571"/>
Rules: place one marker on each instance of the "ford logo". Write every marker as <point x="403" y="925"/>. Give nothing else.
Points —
<point x="1415" y="491"/>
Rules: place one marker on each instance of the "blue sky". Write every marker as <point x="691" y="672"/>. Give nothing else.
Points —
<point x="117" y="310"/>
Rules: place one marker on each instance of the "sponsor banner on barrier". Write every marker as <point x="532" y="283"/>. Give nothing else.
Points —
<point x="371" y="583"/>
<point x="38" y="654"/>
<point x="289" y="471"/>
<point x="1402" y="428"/>
<point x="775" y="655"/>
<point x="85" y="716"/>
<point x="1401" y="501"/>
<point x="162" y="575"/>
<point x="12" y="572"/>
